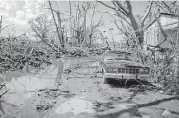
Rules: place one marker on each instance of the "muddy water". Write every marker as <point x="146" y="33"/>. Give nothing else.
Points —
<point x="22" y="87"/>
<point x="76" y="105"/>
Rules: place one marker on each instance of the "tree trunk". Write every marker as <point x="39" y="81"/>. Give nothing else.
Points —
<point x="134" y="24"/>
<point x="60" y="28"/>
<point x="55" y="24"/>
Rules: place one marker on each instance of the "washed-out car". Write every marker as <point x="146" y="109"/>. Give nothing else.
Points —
<point x="119" y="65"/>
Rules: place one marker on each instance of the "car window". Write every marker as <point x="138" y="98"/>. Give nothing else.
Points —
<point x="116" y="56"/>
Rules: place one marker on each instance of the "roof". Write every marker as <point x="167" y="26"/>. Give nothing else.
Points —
<point x="161" y="14"/>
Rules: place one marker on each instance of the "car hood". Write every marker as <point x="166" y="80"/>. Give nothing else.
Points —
<point x="117" y="63"/>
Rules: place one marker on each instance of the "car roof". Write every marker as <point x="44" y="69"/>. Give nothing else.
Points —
<point x="117" y="52"/>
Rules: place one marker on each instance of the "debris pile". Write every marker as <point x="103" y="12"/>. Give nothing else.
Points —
<point x="49" y="98"/>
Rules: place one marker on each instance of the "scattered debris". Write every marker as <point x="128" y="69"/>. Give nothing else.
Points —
<point x="43" y="107"/>
<point x="161" y="91"/>
<point x="97" y="51"/>
<point x="166" y="113"/>
<point x="96" y="64"/>
<point x="145" y="116"/>
<point x="83" y="90"/>
<point x="67" y="71"/>
<point x="76" y="105"/>
<point x="66" y="91"/>
<point x="3" y="89"/>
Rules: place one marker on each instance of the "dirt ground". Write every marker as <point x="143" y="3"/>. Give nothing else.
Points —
<point x="83" y="95"/>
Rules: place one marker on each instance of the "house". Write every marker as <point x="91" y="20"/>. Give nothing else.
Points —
<point x="153" y="37"/>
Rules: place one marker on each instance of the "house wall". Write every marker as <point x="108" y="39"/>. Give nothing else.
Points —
<point x="152" y="36"/>
<point x="168" y="22"/>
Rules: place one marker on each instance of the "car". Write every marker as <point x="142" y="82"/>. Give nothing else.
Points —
<point x="120" y="65"/>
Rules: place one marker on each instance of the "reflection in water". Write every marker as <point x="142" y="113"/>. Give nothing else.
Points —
<point x="21" y="88"/>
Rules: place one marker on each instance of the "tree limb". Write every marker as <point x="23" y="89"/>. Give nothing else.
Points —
<point x="123" y="10"/>
<point x="106" y="5"/>
<point x="125" y="19"/>
<point x="131" y="16"/>
<point x="147" y="13"/>
<point x="168" y="8"/>
<point x="161" y="7"/>
<point x="120" y="29"/>
<point x="129" y="7"/>
<point x="118" y="112"/>
<point x="57" y="30"/>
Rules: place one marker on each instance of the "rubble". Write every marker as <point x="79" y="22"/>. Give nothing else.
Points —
<point x="166" y="113"/>
<point x="44" y="107"/>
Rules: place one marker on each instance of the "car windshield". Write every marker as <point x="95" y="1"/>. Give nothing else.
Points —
<point x="117" y="56"/>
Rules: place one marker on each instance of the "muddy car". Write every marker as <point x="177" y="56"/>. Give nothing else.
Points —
<point x="119" y="65"/>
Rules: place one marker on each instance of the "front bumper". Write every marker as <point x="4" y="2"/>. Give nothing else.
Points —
<point x="126" y="76"/>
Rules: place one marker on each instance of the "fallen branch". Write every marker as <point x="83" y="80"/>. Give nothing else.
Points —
<point x="2" y="85"/>
<point x="118" y="113"/>
<point x="3" y="93"/>
<point x="174" y="112"/>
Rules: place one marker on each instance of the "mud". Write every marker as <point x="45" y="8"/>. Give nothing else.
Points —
<point x="81" y="95"/>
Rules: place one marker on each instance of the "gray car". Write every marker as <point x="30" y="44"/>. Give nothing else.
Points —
<point x="119" y="65"/>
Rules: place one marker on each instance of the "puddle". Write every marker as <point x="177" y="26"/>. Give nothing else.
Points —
<point x="29" y="83"/>
<point x="21" y="88"/>
<point x="76" y="105"/>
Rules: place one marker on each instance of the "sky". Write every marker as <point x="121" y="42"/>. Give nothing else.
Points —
<point x="16" y="14"/>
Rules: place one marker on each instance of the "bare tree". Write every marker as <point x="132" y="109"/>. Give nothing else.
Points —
<point x="83" y="32"/>
<point x="166" y="6"/>
<point x="59" y="19"/>
<point x="123" y="10"/>
<point x="43" y="30"/>
<point x="92" y="28"/>
<point x="104" y="39"/>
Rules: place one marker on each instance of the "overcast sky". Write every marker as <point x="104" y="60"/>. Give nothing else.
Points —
<point x="17" y="13"/>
